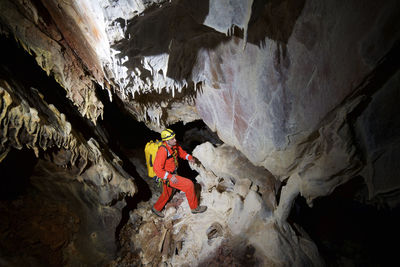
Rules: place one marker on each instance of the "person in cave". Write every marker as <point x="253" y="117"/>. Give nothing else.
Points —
<point x="165" y="166"/>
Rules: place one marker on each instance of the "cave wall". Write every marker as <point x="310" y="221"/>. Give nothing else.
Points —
<point x="308" y="58"/>
<point x="381" y="148"/>
<point x="56" y="35"/>
<point x="76" y="187"/>
<point x="266" y="102"/>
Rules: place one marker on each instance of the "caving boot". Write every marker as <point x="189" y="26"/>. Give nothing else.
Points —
<point x="156" y="212"/>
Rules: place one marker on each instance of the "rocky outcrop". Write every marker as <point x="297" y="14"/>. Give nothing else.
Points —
<point x="381" y="148"/>
<point x="65" y="42"/>
<point x="73" y="176"/>
<point x="267" y="103"/>
<point x="25" y="126"/>
<point x="238" y="228"/>
<point x="269" y="92"/>
<point x="273" y="103"/>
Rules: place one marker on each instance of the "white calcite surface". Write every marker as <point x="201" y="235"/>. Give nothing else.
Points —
<point x="236" y="213"/>
<point x="285" y="107"/>
<point x="224" y="14"/>
<point x="265" y="108"/>
<point x="238" y="173"/>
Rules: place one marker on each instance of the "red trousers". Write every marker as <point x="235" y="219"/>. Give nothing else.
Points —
<point x="183" y="184"/>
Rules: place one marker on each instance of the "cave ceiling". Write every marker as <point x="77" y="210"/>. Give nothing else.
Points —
<point x="305" y="90"/>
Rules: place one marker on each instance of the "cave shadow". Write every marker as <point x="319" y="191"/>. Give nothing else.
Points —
<point x="233" y="251"/>
<point x="117" y="129"/>
<point x="14" y="178"/>
<point x="345" y="228"/>
<point x="274" y="19"/>
<point x="143" y="194"/>
<point x="176" y="28"/>
<point x="125" y="133"/>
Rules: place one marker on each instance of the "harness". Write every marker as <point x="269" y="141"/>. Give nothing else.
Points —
<point x="174" y="155"/>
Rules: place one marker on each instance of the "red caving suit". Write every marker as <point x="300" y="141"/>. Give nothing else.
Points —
<point x="165" y="167"/>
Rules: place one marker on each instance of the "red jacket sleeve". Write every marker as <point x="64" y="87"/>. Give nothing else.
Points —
<point x="159" y="164"/>
<point x="183" y="154"/>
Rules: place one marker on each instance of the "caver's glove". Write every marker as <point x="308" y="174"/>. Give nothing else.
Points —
<point x="160" y="181"/>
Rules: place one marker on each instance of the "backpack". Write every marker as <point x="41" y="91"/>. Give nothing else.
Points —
<point x="150" y="152"/>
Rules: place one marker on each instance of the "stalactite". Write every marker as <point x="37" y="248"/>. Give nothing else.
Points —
<point x="17" y="117"/>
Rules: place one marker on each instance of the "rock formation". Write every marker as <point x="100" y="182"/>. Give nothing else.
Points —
<point x="301" y="94"/>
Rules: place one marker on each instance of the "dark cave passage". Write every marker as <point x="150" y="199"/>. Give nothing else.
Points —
<point x="33" y="227"/>
<point x="348" y="229"/>
<point x="118" y="131"/>
<point x="15" y="171"/>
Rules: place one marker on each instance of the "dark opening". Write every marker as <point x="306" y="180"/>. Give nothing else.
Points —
<point x="15" y="171"/>
<point x="189" y="136"/>
<point x="127" y="137"/>
<point x="348" y="230"/>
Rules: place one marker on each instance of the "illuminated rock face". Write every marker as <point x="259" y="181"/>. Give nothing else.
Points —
<point x="265" y="102"/>
<point x="301" y="88"/>
<point x="286" y="107"/>
<point x="66" y="43"/>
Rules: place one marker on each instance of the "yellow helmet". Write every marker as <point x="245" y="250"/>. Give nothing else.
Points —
<point x="167" y="134"/>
